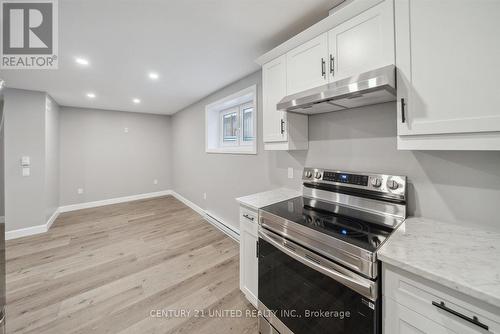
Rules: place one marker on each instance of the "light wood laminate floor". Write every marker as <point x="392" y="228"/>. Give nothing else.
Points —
<point x="105" y="270"/>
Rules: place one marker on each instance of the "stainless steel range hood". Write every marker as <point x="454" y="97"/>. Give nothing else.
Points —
<point x="377" y="86"/>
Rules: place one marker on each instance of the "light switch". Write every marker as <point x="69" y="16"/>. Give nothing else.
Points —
<point x="290" y="172"/>
<point x="26" y="171"/>
<point x="25" y="161"/>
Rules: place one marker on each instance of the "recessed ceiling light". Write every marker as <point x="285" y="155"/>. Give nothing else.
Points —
<point x="154" y="75"/>
<point x="82" y="61"/>
<point x="91" y="95"/>
<point x="136" y="101"/>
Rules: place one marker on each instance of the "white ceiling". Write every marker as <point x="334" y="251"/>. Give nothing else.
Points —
<point x="196" y="47"/>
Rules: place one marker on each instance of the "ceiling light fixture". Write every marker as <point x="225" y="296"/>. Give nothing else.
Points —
<point x="82" y="61"/>
<point x="153" y="76"/>
<point x="136" y="101"/>
<point x="91" y="95"/>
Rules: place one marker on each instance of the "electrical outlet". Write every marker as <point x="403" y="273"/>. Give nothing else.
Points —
<point x="290" y="172"/>
<point x="79" y="191"/>
<point x="155" y="181"/>
<point x="204" y="196"/>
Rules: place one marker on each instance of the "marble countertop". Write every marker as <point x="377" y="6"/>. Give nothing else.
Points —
<point x="260" y="200"/>
<point x="461" y="258"/>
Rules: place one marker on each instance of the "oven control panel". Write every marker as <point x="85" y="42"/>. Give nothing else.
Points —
<point x="390" y="184"/>
<point x="360" y="180"/>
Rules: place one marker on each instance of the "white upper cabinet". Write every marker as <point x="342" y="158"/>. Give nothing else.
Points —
<point x="447" y="55"/>
<point x="363" y="43"/>
<point x="307" y="65"/>
<point x="274" y="89"/>
<point x="281" y="131"/>
<point x="359" y="38"/>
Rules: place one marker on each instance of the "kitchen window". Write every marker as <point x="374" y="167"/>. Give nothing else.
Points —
<point x="231" y="124"/>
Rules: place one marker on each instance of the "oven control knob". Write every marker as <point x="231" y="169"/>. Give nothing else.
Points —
<point x="393" y="185"/>
<point x="308" y="174"/>
<point x="317" y="175"/>
<point x="376" y="182"/>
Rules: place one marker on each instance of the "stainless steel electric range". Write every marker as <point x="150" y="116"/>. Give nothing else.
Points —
<point x="318" y="268"/>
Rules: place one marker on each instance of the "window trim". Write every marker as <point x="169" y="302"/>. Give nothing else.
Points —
<point x="244" y="98"/>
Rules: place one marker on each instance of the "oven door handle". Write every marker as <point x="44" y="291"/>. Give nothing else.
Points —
<point x="353" y="281"/>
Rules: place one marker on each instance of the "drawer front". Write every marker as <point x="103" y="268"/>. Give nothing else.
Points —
<point x="249" y="220"/>
<point x="426" y="298"/>
<point x="399" y="319"/>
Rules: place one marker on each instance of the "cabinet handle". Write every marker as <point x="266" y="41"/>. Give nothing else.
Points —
<point x="332" y="65"/>
<point x="282" y="126"/>
<point x="248" y="217"/>
<point x="403" y="117"/>
<point x="474" y="320"/>
<point x="323" y="67"/>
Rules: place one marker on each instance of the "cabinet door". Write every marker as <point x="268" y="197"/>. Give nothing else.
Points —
<point x="363" y="43"/>
<point x="307" y="65"/>
<point x="274" y="89"/>
<point x="447" y="56"/>
<point x="248" y="264"/>
<point x="399" y="319"/>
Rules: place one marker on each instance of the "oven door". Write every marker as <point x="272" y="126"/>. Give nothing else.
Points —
<point x="301" y="292"/>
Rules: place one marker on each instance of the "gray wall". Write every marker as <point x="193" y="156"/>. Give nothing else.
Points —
<point x="24" y="135"/>
<point x="2" y="164"/>
<point x="98" y="156"/>
<point x="51" y="158"/>
<point x="459" y="187"/>
<point x="222" y="176"/>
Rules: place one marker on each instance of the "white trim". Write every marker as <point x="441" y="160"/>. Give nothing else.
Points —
<point x="184" y="200"/>
<point x="234" y="150"/>
<point x="24" y="232"/>
<point x="32" y="230"/>
<point x="87" y="205"/>
<point x="210" y="218"/>
<point x="52" y="218"/>
<point x="218" y="223"/>
<point x="213" y="115"/>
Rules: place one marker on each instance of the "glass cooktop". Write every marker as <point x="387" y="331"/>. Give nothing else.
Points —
<point x="334" y="220"/>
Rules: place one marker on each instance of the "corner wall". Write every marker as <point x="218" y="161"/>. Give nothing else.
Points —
<point x="112" y="154"/>
<point x="223" y="177"/>
<point x="51" y="158"/>
<point x="24" y="136"/>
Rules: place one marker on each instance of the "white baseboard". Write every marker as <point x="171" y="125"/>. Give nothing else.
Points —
<point x="24" y="232"/>
<point x="32" y="230"/>
<point x="218" y="223"/>
<point x="95" y="204"/>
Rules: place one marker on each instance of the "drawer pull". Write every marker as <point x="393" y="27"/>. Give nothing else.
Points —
<point x="248" y="217"/>
<point x="474" y="320"/>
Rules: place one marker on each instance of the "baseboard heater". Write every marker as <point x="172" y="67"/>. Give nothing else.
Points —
<point x="223" y="227"/>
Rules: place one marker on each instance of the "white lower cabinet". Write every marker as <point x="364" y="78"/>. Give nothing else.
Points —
<point x="412" y="304"/>
<point x="248" y="254"/>
<point x="400" y="319"/>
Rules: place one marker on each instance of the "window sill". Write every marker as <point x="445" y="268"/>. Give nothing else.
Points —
<point x="232" y="150"/>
